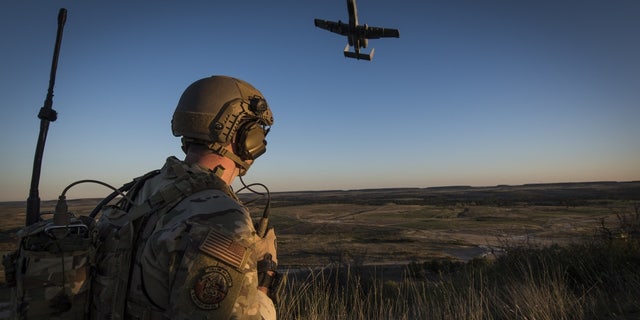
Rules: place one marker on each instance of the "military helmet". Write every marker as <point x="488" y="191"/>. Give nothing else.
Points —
<point x="220" y="110"/>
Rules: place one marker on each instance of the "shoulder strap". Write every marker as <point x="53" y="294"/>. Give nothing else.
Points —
<point x="185" y="185"/>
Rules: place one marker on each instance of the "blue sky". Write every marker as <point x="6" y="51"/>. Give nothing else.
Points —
<point x="472" y="93"/>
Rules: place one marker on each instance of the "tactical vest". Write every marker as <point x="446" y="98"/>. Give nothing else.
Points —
<point x="82" y="269"/>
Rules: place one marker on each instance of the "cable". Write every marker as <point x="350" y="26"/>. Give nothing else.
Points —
<point x="61" y="206"/>
<point x="265" y="213"/>
<point x="64" y="192"/>
<point x="110" y="197"/>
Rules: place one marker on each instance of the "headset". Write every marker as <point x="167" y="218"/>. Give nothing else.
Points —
<point x="244" y="123"/>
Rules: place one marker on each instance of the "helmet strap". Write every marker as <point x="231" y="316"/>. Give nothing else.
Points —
<point x="218" y="171"/>
<point x="221" y="150"/>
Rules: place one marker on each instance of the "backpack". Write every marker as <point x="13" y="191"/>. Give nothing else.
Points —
<point x="82" y="269"/>
<point x="119" y="230"/>
<point x="49" y="271"/>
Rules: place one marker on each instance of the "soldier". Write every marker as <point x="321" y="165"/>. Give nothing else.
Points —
<point x="196" y="257"/>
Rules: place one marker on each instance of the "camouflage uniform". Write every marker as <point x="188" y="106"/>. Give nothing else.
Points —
<point x="198" y="260"/>
<point x="188" y="248"/>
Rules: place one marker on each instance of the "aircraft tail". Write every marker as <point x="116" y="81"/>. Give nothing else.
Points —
<point x="356" y="55"/>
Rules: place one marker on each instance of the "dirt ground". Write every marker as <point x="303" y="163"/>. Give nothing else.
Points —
<point x="393" y="233"/>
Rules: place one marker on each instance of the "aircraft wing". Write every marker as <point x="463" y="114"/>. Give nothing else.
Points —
<point x="336" y="27"/>
<point x="377" y="32"/>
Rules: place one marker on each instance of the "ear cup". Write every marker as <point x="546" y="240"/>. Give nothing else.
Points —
<point x="251" y="141"/>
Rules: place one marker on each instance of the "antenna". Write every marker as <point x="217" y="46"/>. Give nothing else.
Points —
<point x="46" y="115"/>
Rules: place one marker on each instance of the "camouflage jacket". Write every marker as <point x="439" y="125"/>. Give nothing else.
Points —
<point x="197" y="260"/>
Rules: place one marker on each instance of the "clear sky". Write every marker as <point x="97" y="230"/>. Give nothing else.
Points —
<point x="473" y="92"/>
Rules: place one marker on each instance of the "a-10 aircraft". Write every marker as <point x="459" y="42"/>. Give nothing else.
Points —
<point x="358" y="35"/>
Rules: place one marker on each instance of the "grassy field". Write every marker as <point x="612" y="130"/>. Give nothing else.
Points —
<point x="401" y="225"/>
<point x="388" y="243"/>
<point x="594" y="280"/>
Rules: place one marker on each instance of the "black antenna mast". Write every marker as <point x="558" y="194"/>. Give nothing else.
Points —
<point x="46" y="115"/>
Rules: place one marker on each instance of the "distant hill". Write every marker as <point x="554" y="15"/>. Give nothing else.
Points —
<point x="569" y="194"/>
<point x="565" y="194"/>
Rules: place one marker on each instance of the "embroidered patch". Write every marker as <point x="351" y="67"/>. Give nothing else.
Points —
<point x="224" y="248"/>
<point x="211" y="288"/>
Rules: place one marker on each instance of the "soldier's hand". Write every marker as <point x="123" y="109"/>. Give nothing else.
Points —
<point x="268" y="244"/>
<point x="268" y="278"/>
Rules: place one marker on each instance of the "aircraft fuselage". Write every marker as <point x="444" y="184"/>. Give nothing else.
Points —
<point x="356" y="40"/>
<point x="353" y="14"/>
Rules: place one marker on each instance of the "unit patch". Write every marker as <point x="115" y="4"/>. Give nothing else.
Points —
<point x="224" y="248"/>
<point x="211" y="288"/>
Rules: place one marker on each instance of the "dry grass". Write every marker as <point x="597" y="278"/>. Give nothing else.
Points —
<point x="598" y="280"/>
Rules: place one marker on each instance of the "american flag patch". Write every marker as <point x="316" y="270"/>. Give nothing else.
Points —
<point x="224" y="248"/>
